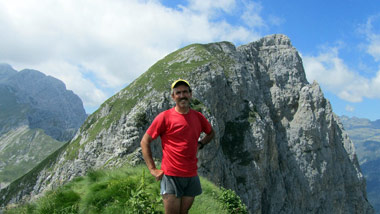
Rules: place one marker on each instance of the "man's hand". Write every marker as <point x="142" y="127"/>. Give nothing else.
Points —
<point x="147" y="154"/>
<point x="206" y="139"/>
<point x="157" y="173"/>
<point x="200" y="145"/>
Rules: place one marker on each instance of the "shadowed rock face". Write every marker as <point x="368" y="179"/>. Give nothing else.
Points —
<point x="365" y="135"/>
<point x="37" y="116"/>
<point x="278" y="144"/>
<point x="43" y="102"/>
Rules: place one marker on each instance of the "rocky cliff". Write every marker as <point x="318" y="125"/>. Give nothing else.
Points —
<point x="278" y="143"/>
<point x="43" y="102"/>
<point x="365" y="135"/>
<point x="37" y="116"/>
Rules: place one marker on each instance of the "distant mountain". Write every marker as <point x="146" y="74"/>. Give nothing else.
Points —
<point x="37" y="116"/>
<point x="43" y="101"/>
<point x="21" y="149"/>
<point x="365" y="135"/>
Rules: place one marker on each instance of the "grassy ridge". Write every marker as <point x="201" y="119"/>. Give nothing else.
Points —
<point x="25" y="148"/>
<point x="124" y="190"/>
<point x="179" y="64"/>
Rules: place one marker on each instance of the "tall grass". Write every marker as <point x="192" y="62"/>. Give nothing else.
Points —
<point x="119" y="191"/>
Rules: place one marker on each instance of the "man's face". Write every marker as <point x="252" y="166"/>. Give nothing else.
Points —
<point x="182" y="96"/>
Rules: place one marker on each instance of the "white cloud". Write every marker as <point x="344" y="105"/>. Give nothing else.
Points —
<point x="333" y="74"/>
<point x="212" y="7"/>
<point x="373" y="37"/>
<point x="350" y="108"/>
<point x="96" y="46"/>
<point x="374" y="47"/>
<point x="251" y="15"/>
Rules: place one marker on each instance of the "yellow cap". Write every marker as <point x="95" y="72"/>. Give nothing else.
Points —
<point x="180" y="80"/>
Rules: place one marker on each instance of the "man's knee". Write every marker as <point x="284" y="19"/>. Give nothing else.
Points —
<point x="172" y="204"/>
<point x="186" y="203"/>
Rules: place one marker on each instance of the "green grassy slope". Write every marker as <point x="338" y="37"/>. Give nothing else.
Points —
<point x="124" y="190"/>
<point x="23" y="149"/>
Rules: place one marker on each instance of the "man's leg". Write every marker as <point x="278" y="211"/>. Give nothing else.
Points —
<point x="186" y="203"/>
<point x="172" y="204"/>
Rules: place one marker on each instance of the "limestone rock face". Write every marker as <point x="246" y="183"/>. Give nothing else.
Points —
<point x="42" y="102"/>
<point x="37" y="116"/>
<point x="365" y="135"/>
<point x="278" y="143"/>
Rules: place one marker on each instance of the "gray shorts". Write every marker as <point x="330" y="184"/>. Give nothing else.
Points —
<point x="181" y="186"/>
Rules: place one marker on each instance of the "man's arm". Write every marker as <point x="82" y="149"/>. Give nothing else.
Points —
<point x="147" y="154"/>
<point x="207" y="138"/>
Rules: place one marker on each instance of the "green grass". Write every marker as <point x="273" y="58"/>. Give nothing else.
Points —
<point x="24" y="151"/>
<point x="23" y="183"/>
<point x="124" y="190"/>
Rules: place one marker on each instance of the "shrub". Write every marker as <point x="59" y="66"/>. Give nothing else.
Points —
<point x="142" y="200"/>
<point x="231" y="202"/>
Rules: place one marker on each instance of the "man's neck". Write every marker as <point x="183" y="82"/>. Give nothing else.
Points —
<point x="182" y="110"/>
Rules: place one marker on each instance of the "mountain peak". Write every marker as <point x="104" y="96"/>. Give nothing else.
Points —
<point x="275" y="39"/>
<point x="50" y="106"/>
<point x="6" y="71"/>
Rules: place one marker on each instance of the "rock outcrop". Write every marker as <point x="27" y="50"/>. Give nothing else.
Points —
<point x="37" y="116"/>
<point x="45" y="101"/>
<point x="365" y="135"/>
<point x="278" y="143"/>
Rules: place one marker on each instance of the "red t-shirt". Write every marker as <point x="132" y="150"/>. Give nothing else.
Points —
<point x="179" y="138"/>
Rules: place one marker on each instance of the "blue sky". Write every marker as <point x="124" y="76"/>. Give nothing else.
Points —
<point x="97" y="47"/>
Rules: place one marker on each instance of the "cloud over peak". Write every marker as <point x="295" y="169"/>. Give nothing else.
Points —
<point x="329" y="70"/>
<point x="99" y="46"/>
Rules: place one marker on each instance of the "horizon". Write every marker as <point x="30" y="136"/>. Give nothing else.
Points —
<point x="98" y="49"/>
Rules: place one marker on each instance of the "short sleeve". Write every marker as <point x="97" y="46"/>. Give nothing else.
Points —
<point x="157" y="127"/>
<point x="206" y="126"/>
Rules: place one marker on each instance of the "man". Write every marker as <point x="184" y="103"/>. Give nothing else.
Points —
<point x="179" y="129"/>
